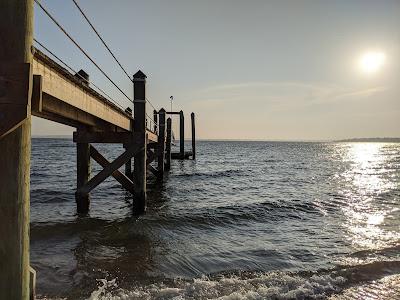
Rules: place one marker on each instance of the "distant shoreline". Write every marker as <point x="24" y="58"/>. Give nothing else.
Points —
<point x="370" y="140"/>
<point x="351" y="140"/>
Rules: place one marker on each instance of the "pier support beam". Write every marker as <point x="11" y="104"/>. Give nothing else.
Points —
<point x="155" y="117"/>
<point x="181" y="135"/>
<point x="124" y="180"/>
<point x="16" y="29"/>
<point x="193" y="137"/>
<point x="83" y="176"/>
<point x="128" y="166"/>
<point x="139" y="177"/>
<point x="161" y="144"/>
<point x="168" y="145"/>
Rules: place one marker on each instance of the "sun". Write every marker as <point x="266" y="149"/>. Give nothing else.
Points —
<point x="371" y="62"/>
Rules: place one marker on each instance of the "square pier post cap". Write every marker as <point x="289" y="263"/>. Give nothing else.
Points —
<point x="139" y="75"/>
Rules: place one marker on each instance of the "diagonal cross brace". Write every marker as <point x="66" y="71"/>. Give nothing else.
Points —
<point x="133" y="149"/>
<point x="152" y="170"/>
<point x="120" y="177"/>
<point x="150" y="157"/>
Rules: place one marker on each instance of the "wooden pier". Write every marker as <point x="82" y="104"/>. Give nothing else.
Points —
<point x="31" y="83"/>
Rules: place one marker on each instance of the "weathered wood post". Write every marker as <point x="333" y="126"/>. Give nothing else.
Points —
<point x="161" y="143"/>
<point x="83" y="176"/>
<point x="16" y="29"/>
<point x="181" y="135"/>
<point x="155" y="116"/>
<point x="139" y="177"/>
<point x="193" y="137"/>
<point x="128" y="166"/>
<point x="168" y="145"/>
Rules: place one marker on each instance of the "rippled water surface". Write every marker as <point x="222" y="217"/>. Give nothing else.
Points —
<point x="246" y="220"/>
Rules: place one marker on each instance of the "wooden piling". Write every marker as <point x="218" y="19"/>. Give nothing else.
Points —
<point x="193" y="136"/>
<point x="181" y="135"/>
<point x="83" y="176"/>
<point x="155" y="117"/>
<point x="128" y="166"/>
<point x="161" y="143"/>
<point x="168" y="145"/>
<point x="139" y="177"/>
<point x="16" y="29"/>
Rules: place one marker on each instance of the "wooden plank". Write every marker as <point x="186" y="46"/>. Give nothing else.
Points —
<point x="133" y="149"/>
<point x="103" y="137"/>
<point x="152" y="137"/>
<point x="61" y="112"/>
<point x="121" y="178"/>
<point x="173" y="112"/>
<point x="36" y="102"/>
<point x="56" y="84"/>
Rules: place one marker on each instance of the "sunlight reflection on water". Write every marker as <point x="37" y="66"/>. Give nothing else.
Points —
<point x="365" y="181"/>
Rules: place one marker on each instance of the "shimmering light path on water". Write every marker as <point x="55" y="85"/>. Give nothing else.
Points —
<point x="249" y="220"/>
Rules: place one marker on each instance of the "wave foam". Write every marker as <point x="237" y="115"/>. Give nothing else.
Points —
<point x="234" y="287"/>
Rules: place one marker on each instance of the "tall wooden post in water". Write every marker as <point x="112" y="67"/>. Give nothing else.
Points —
<point x="181" y="135"/>
<point x="161" y="143"/>
<point x="128" y="166"/>
<point x="155" y="117"/>
<point x="139" y="177"/>
<point x="16" y="28"/>
<point x="193" y="136"/>
<point x="168" y="146"/>
<point x="83" y="175"/>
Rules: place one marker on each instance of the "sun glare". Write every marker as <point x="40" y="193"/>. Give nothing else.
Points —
<point x="371" y="62"/>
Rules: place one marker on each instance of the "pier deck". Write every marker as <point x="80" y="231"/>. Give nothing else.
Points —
<point x="61" y="97"/>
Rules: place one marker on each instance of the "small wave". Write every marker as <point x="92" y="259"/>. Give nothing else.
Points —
<point x="385" y="288"/>
<point x="387" y="251"/>
<point x="257" y="285"/>
<point x="234" y="214"/>
<point x="226" y="173"/>
<point x="224" y="287"/>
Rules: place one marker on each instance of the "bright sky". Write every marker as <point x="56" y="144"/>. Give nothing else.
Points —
<point x="271" y="70"/>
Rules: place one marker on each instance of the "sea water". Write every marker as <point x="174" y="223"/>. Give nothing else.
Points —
<point x="245" y="220"/>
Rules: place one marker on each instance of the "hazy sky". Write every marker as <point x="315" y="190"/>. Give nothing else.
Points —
<point x="280" y="70"/>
